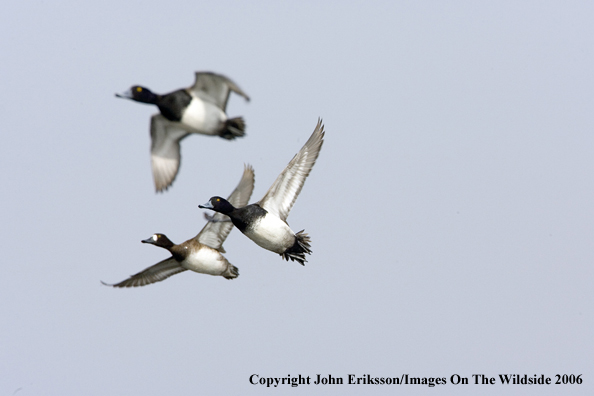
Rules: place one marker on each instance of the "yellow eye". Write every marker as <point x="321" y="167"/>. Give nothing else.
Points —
<point x="138" y="89"/>
<point x="218" y="199"/>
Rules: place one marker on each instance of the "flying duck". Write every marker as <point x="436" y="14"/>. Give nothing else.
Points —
<point x="196" y="109"/>
<point x="264" y="222"/>
<point x="200" y="254"/>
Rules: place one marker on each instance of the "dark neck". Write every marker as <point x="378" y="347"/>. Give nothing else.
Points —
<point x="173" y="104"/>
<point x="149" y="98"/>
<point x="178" y="252"/>
<point x="241" y="219"/>
<point x="225" y="208"/>
<point x="166" y="244"/>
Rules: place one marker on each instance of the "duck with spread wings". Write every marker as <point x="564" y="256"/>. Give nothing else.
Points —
<point x="265" y="222"/>
<point x="197" y="109"/>
<point x="200" y="254"/>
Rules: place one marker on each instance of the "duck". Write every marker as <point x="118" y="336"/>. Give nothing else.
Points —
<point x="265" y="222"/>
<point x="203" y="253"/>
<point x="197" y="109"/>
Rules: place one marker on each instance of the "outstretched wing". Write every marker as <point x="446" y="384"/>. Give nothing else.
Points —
<point x="156" y="273"/>
<point x="165" y="151"/>
<point x="284" y="191"/>
<point x="216" y="230"/>
<point x="215" y="88"/>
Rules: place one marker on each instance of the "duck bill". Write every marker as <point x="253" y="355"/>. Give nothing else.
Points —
<point x="126" y="94"/>
<point x="149" y="240"/>
<point x="207" y="205"/>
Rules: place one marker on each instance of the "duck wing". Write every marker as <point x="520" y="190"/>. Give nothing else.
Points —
<point x="284" y="191"/>
<point x="165" y="151"/>
<point x="215" y="88"/>
<point x="219" y="226"/>
<point x="155" y="273"/>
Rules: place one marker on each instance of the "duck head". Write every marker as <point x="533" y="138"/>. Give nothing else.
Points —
<point x="139" y="94"/>
<point x="218" y="204"/>
<point x="159" y="240"/>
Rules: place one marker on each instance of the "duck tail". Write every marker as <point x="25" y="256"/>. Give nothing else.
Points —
<point x="299" y="249"/>
<point x="234" y="127"/>
<point x="231" y="272"/>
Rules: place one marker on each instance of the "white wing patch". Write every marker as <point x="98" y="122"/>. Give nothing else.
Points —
<point x="284" y="191"/>
<point x="165" y="151"/>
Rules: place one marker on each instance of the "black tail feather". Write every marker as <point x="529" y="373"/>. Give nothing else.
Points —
<point x="234" y="127"/>
<point x="299" y="249"/>
<point x="232" y="272"/>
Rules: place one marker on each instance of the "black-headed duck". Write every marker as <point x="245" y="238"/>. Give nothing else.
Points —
<point x="197" y="109"/>
<point x="264" y="222"/>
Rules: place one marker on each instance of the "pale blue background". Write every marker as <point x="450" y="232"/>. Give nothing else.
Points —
<point x="451" y="209"/>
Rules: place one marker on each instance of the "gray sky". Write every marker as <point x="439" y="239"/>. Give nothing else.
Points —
<point x="451" y="209"/>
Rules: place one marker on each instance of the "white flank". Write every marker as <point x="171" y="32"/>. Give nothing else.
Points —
<point x="203" y="117"/>
<point x="206" y="261"/>
<point x="272" y="234"/>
